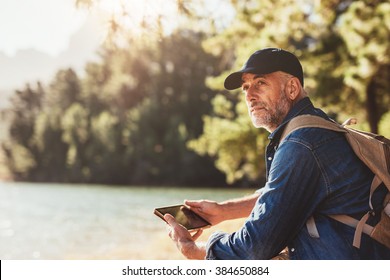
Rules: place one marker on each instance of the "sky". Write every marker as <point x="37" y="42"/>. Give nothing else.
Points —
<point x="39" y="37"/>
<point x="44" y="25"/>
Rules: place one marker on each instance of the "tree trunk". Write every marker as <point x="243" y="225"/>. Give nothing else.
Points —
<point x="372" y="107"/>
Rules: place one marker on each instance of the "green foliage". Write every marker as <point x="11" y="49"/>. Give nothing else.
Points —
<point x="231" y="140"/>
<point x="126" y="122"/>
<point x="22" y="160"/>
<point x="384" y="125"/>
<point x="365" y="30"/>
<point x="26" y="105"/>
<point x="232" y="146"/>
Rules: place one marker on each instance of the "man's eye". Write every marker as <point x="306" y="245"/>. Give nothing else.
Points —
<point x="260" y="82"/>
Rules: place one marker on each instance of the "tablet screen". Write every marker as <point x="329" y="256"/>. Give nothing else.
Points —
<point x="183" y="216"/>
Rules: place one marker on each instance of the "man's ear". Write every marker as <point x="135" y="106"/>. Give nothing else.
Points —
<point x="293" y="88"/>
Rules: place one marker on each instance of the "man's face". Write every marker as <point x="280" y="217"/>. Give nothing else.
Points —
<point x="266" y="99"/>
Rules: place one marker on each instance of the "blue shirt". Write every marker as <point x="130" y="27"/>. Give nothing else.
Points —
<point x="312" y="172"/>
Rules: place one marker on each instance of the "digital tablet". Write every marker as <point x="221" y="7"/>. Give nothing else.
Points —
<point x="183" y="215"/>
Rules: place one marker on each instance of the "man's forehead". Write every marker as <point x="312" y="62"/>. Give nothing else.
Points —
<point x="247" y="77"/>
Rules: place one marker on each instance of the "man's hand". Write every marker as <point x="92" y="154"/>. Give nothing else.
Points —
<point x="185" y="242"/>
<point x="211" y="211"/>
<point x="215" y="212"/>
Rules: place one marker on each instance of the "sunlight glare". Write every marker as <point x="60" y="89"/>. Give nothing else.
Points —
<point x="135" y="14"/>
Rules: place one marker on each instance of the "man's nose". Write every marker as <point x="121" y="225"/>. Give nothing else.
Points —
<point x="250" y="93"/>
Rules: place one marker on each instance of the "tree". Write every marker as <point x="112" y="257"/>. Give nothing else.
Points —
<point x="21" y="152"/>
<point x="171" y="80"/>
<point x="365" y="29"/>
<point x="126" y="122"/>
<point x="343" y="46"/>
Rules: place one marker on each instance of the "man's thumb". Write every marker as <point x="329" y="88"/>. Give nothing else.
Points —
<point x="192" y="203"/>
<point x="170" y="219"/>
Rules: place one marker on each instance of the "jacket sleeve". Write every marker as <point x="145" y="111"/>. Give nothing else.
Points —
<point x="287" y="201"/>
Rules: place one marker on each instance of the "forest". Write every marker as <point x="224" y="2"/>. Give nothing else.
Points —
<point x="153" y="110"/>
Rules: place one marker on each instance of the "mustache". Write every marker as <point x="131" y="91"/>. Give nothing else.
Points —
<point x="260" y="104"/>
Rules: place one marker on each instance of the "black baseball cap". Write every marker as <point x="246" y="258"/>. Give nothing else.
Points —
<point x="266" y="61"/>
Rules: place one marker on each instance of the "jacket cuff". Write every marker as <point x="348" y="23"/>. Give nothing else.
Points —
<point x="215" y="237"/>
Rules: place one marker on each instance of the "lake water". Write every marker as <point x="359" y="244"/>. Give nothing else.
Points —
<point x="60" y="221"/>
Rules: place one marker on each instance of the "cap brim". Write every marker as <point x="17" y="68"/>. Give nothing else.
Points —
<point x="234" y="80"/>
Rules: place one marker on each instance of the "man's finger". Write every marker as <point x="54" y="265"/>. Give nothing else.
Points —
<point x="197" y="234"/>
<point x="195" y="206"/>
<point x="170" y="220"/>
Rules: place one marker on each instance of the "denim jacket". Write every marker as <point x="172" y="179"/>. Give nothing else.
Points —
<point x="312" y="172"/>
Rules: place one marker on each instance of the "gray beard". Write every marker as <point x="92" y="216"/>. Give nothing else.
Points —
<point x="275" y="117"/>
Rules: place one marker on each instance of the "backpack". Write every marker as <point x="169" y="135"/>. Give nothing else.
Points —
<point x="374" y="151"/>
